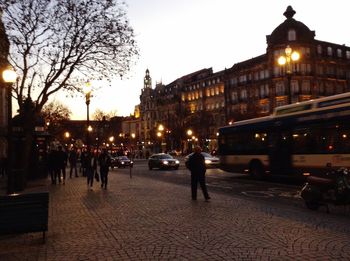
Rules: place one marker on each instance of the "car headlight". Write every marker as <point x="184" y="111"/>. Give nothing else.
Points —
<point x="207" y="161"/>
<point x="122" y="162"/>
<point x="177" y="162"/>
<point x="165" y="162"/>
<point x="131" y="162"/>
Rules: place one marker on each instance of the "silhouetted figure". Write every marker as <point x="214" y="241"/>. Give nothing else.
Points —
<point x="196" y="164"/>
<point x="51" y="165"/>
<point x="90" y="167"/>
<point x="104" y="161"/>
<point x="73" y="158"/>
<point x="61" y="158"/>
<point x="83" y="161"/>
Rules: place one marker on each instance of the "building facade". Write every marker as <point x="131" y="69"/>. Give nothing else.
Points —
<point x="255" y="87"/>
<point x="203" y="101"/>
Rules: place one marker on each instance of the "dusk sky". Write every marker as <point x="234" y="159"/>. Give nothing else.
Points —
<point x="179" y="37"/>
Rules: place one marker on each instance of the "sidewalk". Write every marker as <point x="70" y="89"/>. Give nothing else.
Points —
<point x="145" y="219"/>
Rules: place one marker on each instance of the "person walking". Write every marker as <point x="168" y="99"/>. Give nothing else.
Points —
<point x="196" y="164"/>
<point x="61" y="158"/>
<point x="73" y="158"/>
<point x="90" y="167"/>
<point x="104" y="161"/>
<point x="51" y="165"/>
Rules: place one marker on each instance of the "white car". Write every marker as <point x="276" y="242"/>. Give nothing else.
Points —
<point x="210" y="161"/>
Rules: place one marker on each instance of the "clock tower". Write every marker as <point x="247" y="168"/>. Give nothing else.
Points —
<point x="147" y="81"/>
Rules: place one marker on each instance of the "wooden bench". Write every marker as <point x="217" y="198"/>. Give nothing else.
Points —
<point x="24" y="213"/>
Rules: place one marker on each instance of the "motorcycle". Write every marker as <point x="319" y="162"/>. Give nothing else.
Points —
<point x="332" y="189"/>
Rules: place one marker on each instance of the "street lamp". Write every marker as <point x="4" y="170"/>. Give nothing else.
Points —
<point x="189" y="134"/>
<point x="9" y="76"/>
<point x="287" y="60"/>
<point x="67" y="136"/>
<point x="87" y="91"/>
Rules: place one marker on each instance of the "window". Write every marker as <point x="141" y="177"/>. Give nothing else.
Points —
<point x="347" y="54"/>
<point x="339" y="53"/>
<point x="244" y="94"/>
<point x="263" y="93"/>
<point x="305" y="87"/>
<point x="292" y="36"/>
<point x="319" y="49"/>
<point x="294" y="86"/>
<point x="329" y="51"/>
<point x="280" y="88"/>
<point x="234" y="96"/>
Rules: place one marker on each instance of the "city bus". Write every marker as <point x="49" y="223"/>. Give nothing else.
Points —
<point x="298" y="140"/>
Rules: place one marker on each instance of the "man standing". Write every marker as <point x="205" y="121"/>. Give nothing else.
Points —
<point x="104" y="161"/>
<point x="196" y="164"/>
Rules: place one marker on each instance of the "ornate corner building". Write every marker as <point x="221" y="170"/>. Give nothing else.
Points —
<point x="204" y="101"/>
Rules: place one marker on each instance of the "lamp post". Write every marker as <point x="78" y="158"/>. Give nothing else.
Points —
<point x="287" y="60"/>
<point x="9" y="76"/>
<point x="87" y="91"/>
<point x="189" y="134"/>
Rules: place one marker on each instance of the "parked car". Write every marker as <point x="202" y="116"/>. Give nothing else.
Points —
<point x="121" y="162"/>
<point x="163" y="161"/>
<point x="210" y="161"/>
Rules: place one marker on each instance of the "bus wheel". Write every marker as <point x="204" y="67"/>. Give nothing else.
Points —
<point x="256" y="171"/>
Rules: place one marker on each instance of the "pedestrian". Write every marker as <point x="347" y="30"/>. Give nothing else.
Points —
<point x="196" y="164"/>
<point x="73" y="158"/>
<point x="83" y="161"/>
<point x="90" y="168"/>
<point x="51" y="165"/>
<point x="61" y="159"/>
<point x="104" y="161"/>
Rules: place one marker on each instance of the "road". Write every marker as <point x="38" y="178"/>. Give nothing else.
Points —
<point x="275" y="191"/>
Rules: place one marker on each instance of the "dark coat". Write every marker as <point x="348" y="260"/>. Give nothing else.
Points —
<point x="104" y="160"/>
<point x="196" y="164"/>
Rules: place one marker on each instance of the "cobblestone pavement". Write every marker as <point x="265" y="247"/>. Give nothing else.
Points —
<point x="146" y="219"/>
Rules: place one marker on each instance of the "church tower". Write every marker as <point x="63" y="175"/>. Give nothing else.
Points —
<point x="147" y="82"/>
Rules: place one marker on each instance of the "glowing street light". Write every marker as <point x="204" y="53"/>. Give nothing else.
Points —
<point x="87" y="91"/>
<point x="287" y="60"/>
<point x="9" y="76"/>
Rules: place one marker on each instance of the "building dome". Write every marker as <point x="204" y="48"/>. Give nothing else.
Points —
<point x="280" y="35"/>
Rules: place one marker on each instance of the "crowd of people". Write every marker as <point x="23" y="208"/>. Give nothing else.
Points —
<point x="92" y="165"/>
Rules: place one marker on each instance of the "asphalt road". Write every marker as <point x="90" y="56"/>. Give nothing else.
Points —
<point x="275" y="190"/>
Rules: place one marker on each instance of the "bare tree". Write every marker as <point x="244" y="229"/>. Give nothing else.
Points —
<point x="54" y="114"/>
<point x="58" y="45"/>
<point x="61" y="44"/>
<point x="100" y="115"/>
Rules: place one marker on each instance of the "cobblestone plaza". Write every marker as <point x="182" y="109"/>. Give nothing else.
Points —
<point x="146" y="219"/>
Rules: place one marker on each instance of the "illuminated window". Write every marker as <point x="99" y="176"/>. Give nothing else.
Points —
<point x="207" y="92"/>
<point x="212" y="91"/>
<point x="217" y="90"/>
